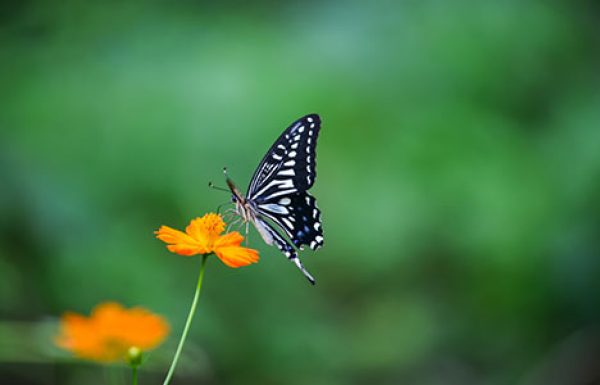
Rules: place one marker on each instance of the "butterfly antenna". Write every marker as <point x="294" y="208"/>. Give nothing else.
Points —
<point x="212" y="186"/>
<point x="231" y="185"/>
<point x="227" y="178"/>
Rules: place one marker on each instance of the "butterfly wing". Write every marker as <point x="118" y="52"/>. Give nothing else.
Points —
<point x="278" y="189"/>
<point x="290" y="164"/>
<point x="298" y="216"/>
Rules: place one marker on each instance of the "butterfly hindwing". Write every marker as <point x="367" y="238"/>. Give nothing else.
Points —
<point x="298" y="216"/>
<point x="283" y="246"/>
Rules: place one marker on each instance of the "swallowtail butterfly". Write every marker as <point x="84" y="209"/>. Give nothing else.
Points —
<point x="278" y="198"/>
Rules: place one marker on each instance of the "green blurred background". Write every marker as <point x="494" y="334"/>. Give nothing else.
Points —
<point x="459" y="179"/>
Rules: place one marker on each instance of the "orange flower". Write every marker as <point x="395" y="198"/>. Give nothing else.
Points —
<point x="111" y="330"/>
<point x="203" y="236"/>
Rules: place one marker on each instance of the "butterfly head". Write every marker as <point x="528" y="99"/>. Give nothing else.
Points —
<point x="236" y="195"/>
<point x="242" y="205"/>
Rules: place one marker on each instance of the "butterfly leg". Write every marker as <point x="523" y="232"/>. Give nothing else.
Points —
<point x="221" y="205"/>
<point x="229" y="214"/>
<point x="247" y="224"/>
<point x="234" y="223"/>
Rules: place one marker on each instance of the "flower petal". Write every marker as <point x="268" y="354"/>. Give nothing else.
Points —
<point x="110" y="331"/>
<point x="229" y="251"/>
<point x="180" y="242"/>
<point x="235" y="256"/>
<point x="230" y="239"/>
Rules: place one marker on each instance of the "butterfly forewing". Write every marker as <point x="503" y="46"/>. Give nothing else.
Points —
<point x="290" y="164"/>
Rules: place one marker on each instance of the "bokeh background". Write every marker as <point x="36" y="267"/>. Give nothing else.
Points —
<point x="459" y="179"/>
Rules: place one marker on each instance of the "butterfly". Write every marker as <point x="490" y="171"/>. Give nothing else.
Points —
<point x="278" y="198"/>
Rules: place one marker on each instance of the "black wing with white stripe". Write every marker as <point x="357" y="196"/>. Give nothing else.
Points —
<point x="298" y="216"/>
<point x="290" y="164"/>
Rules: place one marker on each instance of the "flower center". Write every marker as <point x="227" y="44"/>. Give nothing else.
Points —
<point x="213" y="225"/>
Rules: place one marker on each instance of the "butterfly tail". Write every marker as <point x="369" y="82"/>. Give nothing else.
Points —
<point x="288" y="250"/>
<point x="303" y="270"/>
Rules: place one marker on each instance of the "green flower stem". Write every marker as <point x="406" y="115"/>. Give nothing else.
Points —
<point x="188" y="322"/>
<point x="134" y="375"/>
<point x="112" y="376"/>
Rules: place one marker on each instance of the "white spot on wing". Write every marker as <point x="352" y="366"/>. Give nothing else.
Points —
<point x="290" y="163"/>
<point x="317" y="226"/>
<point x="309" y="119"/>
<point x="274" y="208"/>
<point x="276" y="157"/>
<point x="295" y="146"/>
<point x="281" y="146"/>
<point x="287" y="223"/>
<point x="285" y="201"/>
<point x="287" y="183"/>
<point x="301" y="129"/>
<point x="292" y="154"/>
<point x="297" y="138"/>
<point x="279" y="193"/>
<point x="319" y="238"/>
<point x="287" y="172"/>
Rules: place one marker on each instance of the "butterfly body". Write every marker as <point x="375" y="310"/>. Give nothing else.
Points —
<point x="278" y="192"/>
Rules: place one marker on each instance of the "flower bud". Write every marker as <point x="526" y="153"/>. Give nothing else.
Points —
<point x="134" y="356"/>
